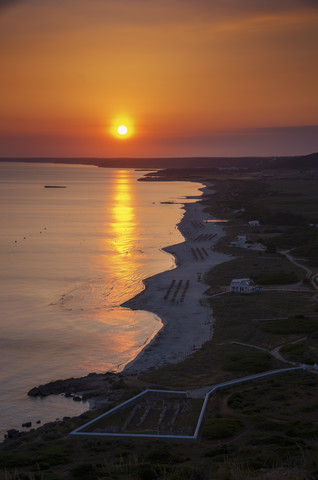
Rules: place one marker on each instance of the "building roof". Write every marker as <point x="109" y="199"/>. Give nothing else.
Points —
<point x="241" y="280"/>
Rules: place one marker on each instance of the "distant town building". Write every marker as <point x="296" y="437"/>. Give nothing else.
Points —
<point x="240" y="242"/>
<point x="243" y="285"/>
<point x="253" y="223"/>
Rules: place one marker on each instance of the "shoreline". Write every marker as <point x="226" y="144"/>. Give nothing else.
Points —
<point x="187" y="320"/>
<point x="187" y="323"/>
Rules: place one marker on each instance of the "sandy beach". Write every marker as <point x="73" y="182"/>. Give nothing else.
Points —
<point x="177" y="296"/>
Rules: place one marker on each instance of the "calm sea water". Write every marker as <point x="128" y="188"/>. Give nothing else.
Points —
<point x="69" y="258"/>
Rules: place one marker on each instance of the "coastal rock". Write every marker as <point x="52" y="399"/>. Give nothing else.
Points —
<point x="53" y="388"/>
<point x="13" y="433"/>
<point x="34" y="392"/>
<point x="27" y="425"/>
<point x="93" y="385"/>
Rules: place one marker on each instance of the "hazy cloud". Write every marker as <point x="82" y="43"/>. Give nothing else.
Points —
<point x="179" y="12"/>
<point x="9" y="3"/>
<point x="143" y="12"/>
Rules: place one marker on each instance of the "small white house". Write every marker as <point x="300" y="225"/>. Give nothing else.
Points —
<point x="240" y="242"/>
<point x="244" y="285"/>
<point x="253" y="223"/>
<point x="241" y="285"/>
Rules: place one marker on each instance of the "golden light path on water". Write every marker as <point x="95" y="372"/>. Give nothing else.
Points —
<point x="122" y="258"/>
<point x="123" y="219"/>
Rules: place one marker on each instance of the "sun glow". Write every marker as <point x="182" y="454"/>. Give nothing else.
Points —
<point x="122" y="127"/>
<point x="122" y="130"/>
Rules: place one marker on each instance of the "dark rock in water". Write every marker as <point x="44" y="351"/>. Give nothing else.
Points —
<point x="94" y="384"/>
<point x="39" y="421"/>
<point x="36" y="392"/>
<point x="54" y="186"/>
<point x="27" y="425"/>
<point x="77" y="399"/>
<point x="51" y="388"/>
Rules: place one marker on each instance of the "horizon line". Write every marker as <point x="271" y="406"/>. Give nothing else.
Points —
<point x="154" y="158"/>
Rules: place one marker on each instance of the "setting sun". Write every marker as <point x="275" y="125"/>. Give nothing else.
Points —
<point x="122" y="127"/>
<point x="222" y="79"/>
<point x="122" y="130"/>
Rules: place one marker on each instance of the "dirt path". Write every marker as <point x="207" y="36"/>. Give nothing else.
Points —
<point x="292" y="260"/>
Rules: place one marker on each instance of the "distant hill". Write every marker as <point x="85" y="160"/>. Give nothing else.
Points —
<point x="231" y="163"/>
<point x="299" y="163"/>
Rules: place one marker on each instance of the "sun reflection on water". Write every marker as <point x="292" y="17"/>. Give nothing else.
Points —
<point x="127" y="330"/>
<point x="123" y="214"/>
<point x="122" y="332"/>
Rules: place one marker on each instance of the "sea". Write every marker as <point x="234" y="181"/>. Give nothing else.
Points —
<point x="70" y="256"/>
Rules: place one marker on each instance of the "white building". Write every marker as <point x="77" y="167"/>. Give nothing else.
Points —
<point x="240" y="242"/>
<point x="244" y="285"/>
<point x="241" y="285"/>
<point x="253" y="223"/>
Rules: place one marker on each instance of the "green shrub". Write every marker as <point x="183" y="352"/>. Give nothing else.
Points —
<point x="273" y="440"/>
<point x="84" y="471"/>
<point x="145" y="471"/>
<point x="187" y="473"/>
<point x="291" y="325"/>
<point x="55" y="455"/>
<point x="277" y="278"/>
<point x="236" y="400"/>
<point x="222" y="450"/>
<point x="215" y="428"/>
<point x="14" y="460"/>
<point x="253" y="362"/>
<point x="163" y="454"/>
<point x="298" y="352"/>
<point x="301" y="429"/>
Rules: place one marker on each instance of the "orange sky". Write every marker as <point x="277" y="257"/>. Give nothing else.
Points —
<point x="191" y="77"/>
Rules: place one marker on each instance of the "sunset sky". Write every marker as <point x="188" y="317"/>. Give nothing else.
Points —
<point x="187" y="77"/>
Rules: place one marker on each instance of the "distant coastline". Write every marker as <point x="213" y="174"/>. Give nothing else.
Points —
<point x="236" y="163"/>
